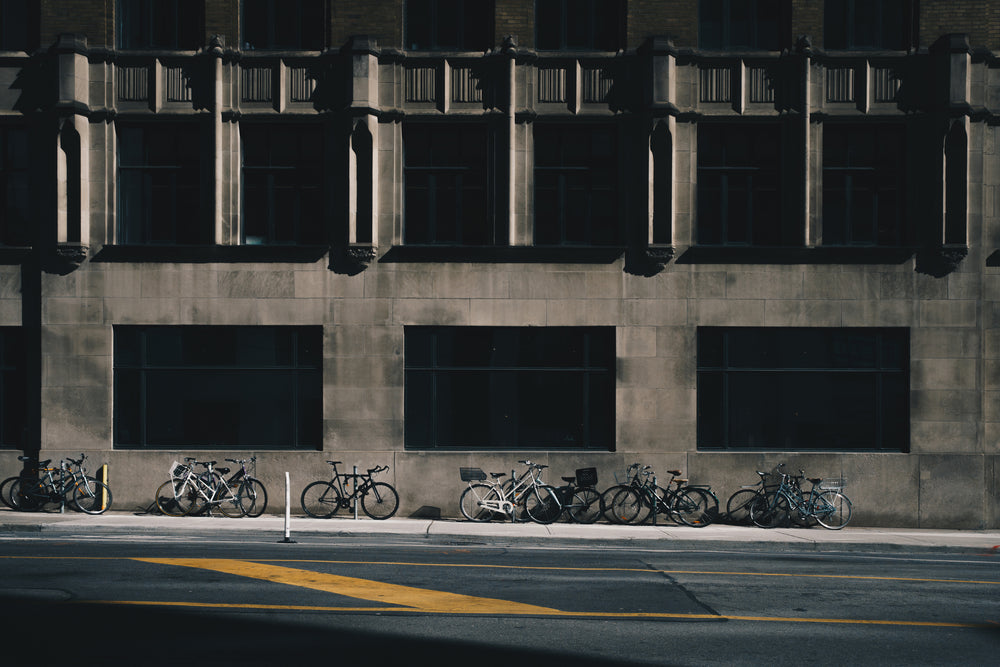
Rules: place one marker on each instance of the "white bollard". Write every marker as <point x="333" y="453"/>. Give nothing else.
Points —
<point x="288" y="512"/>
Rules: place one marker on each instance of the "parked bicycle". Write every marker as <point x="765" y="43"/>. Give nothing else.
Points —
<point x="738" y="505"/>
<point x="46" y="485"/>
<point x="579" y="498"/>
<point x="522" y="496"/>
<point x="249" y="491"/>
<point x="640" y="500"/>
<point x="825" y="502"/>
<point x="322" y="499"/>
<point x="188" y="492"/>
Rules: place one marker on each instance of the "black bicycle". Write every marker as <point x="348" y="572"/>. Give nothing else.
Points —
<point x="323" y="498"/>
<point x="579" y="498"/>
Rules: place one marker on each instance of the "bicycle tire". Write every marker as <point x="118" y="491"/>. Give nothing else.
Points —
<point x="383" y="501"/>
<point x="26" y="501"/>
<point x="253" y="496"/>
<point x="469" y="501"/>
<point x="5" y="490"/>
<point x="769" y="511"/>
<point x="230" y="505"/>
<point x="606" y="497"/>
<point x="189" y="498"/>
<point x="541" y="504"/>
<point x="628" y="505"/>
<point x="692" y="507"/>
<point x="90" y="497"/>
<point x="166" y="498"/>
<point x="585" y="506"/>
<point x="836" y="510"/>
<point x="738" y="506"/>
<point x="320" y="500"/>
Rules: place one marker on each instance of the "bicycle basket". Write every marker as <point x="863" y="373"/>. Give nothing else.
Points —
<point x="833" y="484"/>
<point x="472" y="474"/>
<point x="586" y="476"/>
<point x="178" y="469"/>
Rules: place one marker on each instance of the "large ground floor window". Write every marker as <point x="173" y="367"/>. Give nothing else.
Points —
<point x="510" y="387"/>
<point x="218" y="387"/>
<point x="12" y="387"/>
<point x="803" y="388"/>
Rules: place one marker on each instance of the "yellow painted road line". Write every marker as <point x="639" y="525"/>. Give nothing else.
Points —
<point x="362" y="589"/>
<point x="632" y="569"/>
<point x="542" y="611"/>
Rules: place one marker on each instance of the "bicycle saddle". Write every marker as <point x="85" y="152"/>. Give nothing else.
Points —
<point x="568" y="480"/>
<point x="222" y="471"/>
<point x="674" y="472"/>
<point x="497" y="475"/>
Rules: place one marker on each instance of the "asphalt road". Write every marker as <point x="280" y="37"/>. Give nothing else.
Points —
<point x="382" y="601"/>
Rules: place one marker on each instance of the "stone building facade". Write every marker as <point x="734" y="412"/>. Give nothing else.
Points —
<point x="709" y="235"/>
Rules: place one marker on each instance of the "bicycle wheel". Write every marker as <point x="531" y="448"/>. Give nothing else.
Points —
<point x="165" y="499"/>
<point x="833" y="510"/>
<point x="738" y="506"/>
<point x="585" y="506"/>
<point x="320" y="500"/>
<point x="29" y="495"/>
<point x="769" y="511"/>
<point x="92" y="496"/>
<point x="628" y="505"/>
<point x="692" y="507"/>
<point x="470" y="499"/>
<point x="380" y="500"/>
<point x="542" y="504"/>
<point x="5" y="490"/>
<point x="228" y="501"/>
<point x="253" y="497"/>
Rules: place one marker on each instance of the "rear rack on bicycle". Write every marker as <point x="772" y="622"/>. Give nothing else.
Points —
<point x="472" y="474"/>
<point x="833" y="484"/>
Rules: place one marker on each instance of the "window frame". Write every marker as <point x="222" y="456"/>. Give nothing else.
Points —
<point x="885" y="178"/>
<point x="481" y="173"/>
<point x="593" y="12"/>
<point x="197" y="355"/>
<point x="287" y="14"/>
<point x="729" y="367"/>
<point x="15" y="186"/>
<point x="843" y="15"/>
<point x="465" y="26"/>
<point x="602" y="174"/>
<point x="13" y="387"/>
<point x="138" y="21"/>
<point x="758" y="233"/>
<point x="171" y="177"/>
<point x="758" y="9"/>
<point x="523" y="405"/>
<point x="298" y="175"/>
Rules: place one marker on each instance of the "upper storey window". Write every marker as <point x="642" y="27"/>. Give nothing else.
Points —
<point x="579" y="25"/>
<point x="158" y="185"/>
<point x="18" y="25"/>
<point x="741" y="24"/>
<point x="14" y="201"/>
<point x="449" y="25"/>
<point x="298" y="25"/>
<point x="868" y="24"/>
<point x="160" y="24"/>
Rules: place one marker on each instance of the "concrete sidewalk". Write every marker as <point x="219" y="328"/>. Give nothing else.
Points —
<point x="150" y="526"/>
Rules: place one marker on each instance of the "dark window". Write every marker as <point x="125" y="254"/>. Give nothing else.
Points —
<point x="18" y="25"/>
<point x="158" y="185"/>
<point x="869" y="24"/>
<point x="446" y="172"/>
<point x="449" y="25"/>
<point x="283" y="179"/>
<point x="803" y="388"/>
<point x="284" y="24"/>
<point x="160" y="24"/>
<point x="863" y="176"/>
<point x="510" y="387"/>
<point x="14" y="202"/>
<point x="218" y="386"/>
<point x="576" y="185"/>
<point x="12" y="387"/>
<point x="579" y="25"/>
<point x="739" y="186"/>
<point x="741" y="24"/>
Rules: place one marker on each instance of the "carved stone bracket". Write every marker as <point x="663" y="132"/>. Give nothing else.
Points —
<point x="939" y="261"/>
<point x="67" y="257"/>
<point x="649" y="260"/>
<point x="352" y="259"/>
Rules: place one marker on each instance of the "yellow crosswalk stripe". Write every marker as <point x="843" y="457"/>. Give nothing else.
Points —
<point x="362" y="589"/>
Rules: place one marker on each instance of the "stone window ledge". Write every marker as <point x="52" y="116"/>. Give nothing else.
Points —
<point x="505" y="254"/>
<point x="795" y="255"/>
<point x="210" y="253"/>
